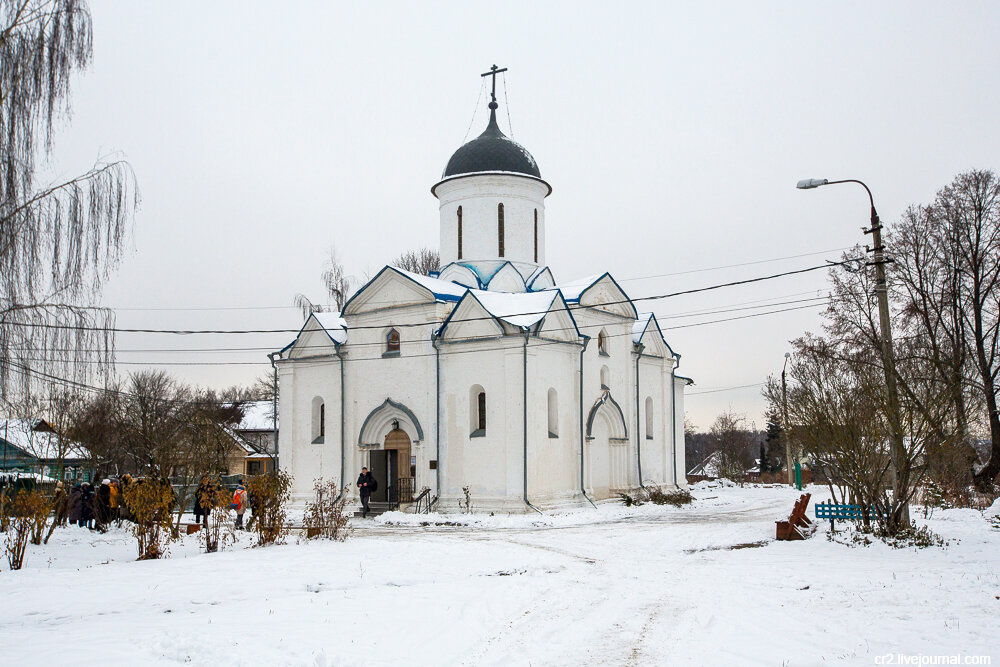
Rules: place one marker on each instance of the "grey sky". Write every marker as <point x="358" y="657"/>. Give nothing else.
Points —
<point x="672" y="134"/>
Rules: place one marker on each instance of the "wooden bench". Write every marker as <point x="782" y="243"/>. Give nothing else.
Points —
<point x="835" y="511"/>
<point x="798" y="526"/>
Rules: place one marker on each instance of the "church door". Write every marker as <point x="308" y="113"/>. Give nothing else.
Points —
<point x="400" y="472"/>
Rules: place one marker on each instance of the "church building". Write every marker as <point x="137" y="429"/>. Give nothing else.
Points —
<point x="489" y="376"/>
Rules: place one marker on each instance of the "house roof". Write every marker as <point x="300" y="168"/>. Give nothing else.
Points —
<point x="42" y="445"/>
<point x="257" y="416"/>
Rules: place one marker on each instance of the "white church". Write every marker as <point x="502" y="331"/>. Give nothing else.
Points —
<point x="490" y="375"/>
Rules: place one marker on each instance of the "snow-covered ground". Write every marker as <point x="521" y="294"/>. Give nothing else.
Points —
<point x="699" y="585"/>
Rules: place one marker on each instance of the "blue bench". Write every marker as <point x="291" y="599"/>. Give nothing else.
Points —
<point x="834" y="511"/>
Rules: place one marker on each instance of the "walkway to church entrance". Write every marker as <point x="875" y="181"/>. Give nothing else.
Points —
<point x="394" y="469"/>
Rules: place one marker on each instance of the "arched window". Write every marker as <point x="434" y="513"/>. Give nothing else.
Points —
<point x="602" y="343"/>
<point x="605" y="378"/>
<point x="477" y="411"/>
<point x="649" y="418"/>
<point x="318" y="420"/>
<point x="500" y="230"/>
<point x="392" y="342"/>
<point x="536" y="236"/>
<point x="460" y="232"/>
<point x="553" y="413"/>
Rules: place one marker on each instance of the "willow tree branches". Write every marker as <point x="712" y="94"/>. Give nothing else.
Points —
<point x="58" y="241"/>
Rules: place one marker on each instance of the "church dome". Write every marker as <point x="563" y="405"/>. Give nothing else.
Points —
<point x="492" y="151"/>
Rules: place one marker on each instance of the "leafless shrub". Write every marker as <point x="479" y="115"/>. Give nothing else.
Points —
<point x="214" y="502"/>
<point x="268" y="495"/>
<point x="325" y="516"/>
<point x="676" y="498"/>
<point x="466" y="505"/>
<point x="24" y="512"/>
<point x="150" y="502"/>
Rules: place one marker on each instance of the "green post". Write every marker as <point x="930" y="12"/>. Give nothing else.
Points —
<point x="798" y="475"/>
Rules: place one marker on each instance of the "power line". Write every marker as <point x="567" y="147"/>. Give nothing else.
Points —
<point x="732" y="266"/>
<point x="420" y="341"/>
<point x="451" y="341"/>
<point x="716" y="391"/>
<point x="633" y="278"/>
<point x="188" y="332"/>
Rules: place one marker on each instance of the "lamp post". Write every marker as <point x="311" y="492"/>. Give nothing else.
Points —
<point x="784" y="415"/>
<point x="898" y="454"/>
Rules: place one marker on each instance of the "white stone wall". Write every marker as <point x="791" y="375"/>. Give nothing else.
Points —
<point x="479" y="196"/>
<point x="493" y="465"/>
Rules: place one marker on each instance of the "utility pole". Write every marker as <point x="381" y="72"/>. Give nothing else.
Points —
<point x="785" y="432"/>
<point x="897" y="451"/>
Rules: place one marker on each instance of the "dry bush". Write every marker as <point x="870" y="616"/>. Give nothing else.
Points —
<point x="677" y="498"/>
<point x="268" y="495"/>
<point x="215" y="504"/>
<point x="41" y="509"/>
<point x="325" y="516"/>
<point x="22" y="514"/>
<point x="657" y="496"/>
<point x="150" y="503"/>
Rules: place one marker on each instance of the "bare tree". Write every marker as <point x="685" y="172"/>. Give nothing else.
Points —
<point x="338" y="287"/>
<point x="734" y="443"/>
<point x="59" y="240"/>
<point x="421" y="261"/>
<point x="970" y="210"/>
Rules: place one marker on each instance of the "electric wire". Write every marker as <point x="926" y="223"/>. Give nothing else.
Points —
<point x="188" y="332"/>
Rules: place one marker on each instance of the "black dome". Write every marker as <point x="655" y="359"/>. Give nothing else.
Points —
<point x="491" y="151"/>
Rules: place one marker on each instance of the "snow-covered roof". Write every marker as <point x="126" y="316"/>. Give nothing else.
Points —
<point x="39" y="444"/>
<point x="257" y="416"/>
<point x="639" y="326"/>
<point x="444" y="290"/>
<point x="709" y="467"/>
<point x="334" y="325"/>
<point x="518" y="309"/>
<point x="572" y="291"/>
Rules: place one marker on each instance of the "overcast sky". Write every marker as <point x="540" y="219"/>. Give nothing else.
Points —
<point x="672" y="135"/>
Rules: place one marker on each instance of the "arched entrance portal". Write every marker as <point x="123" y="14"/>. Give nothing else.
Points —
<point x="394" y="468"/>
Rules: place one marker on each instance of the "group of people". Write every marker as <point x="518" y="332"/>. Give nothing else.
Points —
<point x="88" y="507"/>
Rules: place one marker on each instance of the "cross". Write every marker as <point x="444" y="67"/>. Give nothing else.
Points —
<point x="493" y="72"/>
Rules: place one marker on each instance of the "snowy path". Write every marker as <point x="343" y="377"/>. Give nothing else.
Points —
<point x="643" y="586"/>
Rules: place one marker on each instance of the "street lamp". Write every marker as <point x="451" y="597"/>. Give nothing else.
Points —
<point x="899" y="479"/>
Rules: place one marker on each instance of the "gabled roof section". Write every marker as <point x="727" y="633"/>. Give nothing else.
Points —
<point x="332" y="324"/>
<point x="645" y="328"/>
<point x="541" y="279"/>
<point x="507" y="279"/>
<point x="520" y="310"/>
<point x="432" y="288"/>
<point x="597" y="291"/>
<point x="523" y="310"/>
<point x="461" y="274"/>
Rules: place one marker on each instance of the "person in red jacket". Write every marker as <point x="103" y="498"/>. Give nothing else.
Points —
<point x="240" y="503"/>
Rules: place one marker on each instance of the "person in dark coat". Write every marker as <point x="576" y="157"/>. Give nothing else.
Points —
<point x="103" y="504"/>
<point x="203" y="497"/>
<point x="75" y="504"/>
<point x="86" y="506"/>
<point x="366" y="484"/>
